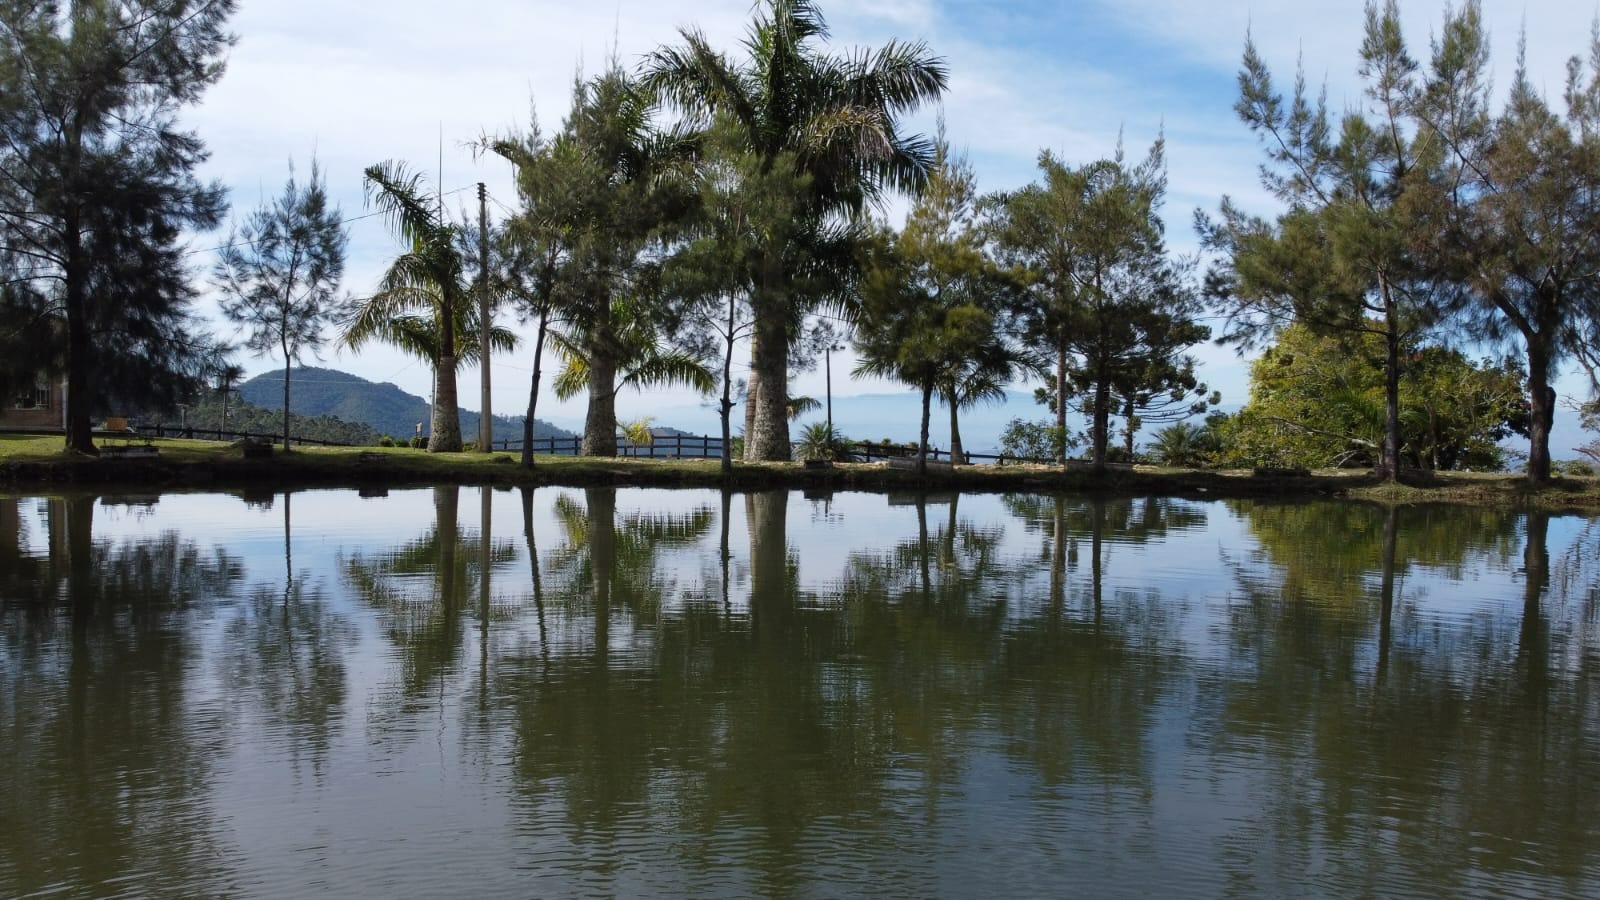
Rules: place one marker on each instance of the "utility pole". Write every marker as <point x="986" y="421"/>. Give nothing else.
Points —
<point x="485" y="418"/>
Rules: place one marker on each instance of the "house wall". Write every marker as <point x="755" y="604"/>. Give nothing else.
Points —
<point x="47" y="411"/>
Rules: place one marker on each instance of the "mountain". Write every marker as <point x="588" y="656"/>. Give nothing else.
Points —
<point x="385" y="407"/>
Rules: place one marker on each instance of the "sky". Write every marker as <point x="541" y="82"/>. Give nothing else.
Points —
<point x="357" y="83"/>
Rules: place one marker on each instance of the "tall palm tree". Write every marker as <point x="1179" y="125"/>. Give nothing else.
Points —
<point x="422" y="299"/>
<point x="833" y="120"/>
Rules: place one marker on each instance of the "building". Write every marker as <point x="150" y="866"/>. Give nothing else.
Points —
<point x="39" y="404"/>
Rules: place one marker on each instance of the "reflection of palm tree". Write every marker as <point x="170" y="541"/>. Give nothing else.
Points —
<point x="427" y="628"/>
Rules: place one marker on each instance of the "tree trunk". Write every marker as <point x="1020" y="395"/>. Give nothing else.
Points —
<point x="533" y="392"/>
<point x="727" y="397"/>
<point x="1133" y="424"/>
<point x="1102" y="416"/>
<point x="958" y="455"/>
<point x="1061" y="406"/>
<point x="79" y="436"/>
<point x="600" y="426"/>
<point x="769" y="437"/>
<point x="446" y="419"/>
<point x="1389" y="465"/>
<point x="1542" y="409"/>
<point x="752" y="388"/>
<point x="922" y="437"/>
<point x="286" y="404"/>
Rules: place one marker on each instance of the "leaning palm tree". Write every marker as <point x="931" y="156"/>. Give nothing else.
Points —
<point x="422" y="298"/>
<point x="830" y="118"/>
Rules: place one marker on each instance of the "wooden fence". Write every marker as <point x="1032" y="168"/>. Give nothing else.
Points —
<point x="677" y="446"/>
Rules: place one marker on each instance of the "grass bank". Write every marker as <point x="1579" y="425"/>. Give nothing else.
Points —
<point x="37" y="462"/>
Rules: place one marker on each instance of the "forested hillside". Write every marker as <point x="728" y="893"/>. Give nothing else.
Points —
<point x="388" y="409"/>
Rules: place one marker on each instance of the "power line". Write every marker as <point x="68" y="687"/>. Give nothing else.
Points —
<point x="342" y="222"/>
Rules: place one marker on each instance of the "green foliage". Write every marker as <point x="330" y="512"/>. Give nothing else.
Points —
<point x="247" y="417"/>
<point x="1343" y="258"/>
<point x="100" y="194"/>
<point x="1113" y="307"/>
<point x="1034" y="441"/>
<point x="386" y="441"/>
<point x="927" y="315"/>
<point x="1183" y="444"/>
<point x="1516" y="205"/>
<point x="820" y="441"/>
<point x="279" y="274"/>
<point x="832" y="122"/>
<point x="1318" y="401"/>
<point x="423" y="303"/>
<point x="1576" y="468"/>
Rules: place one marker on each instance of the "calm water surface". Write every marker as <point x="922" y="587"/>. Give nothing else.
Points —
<point x="464" y="692"/>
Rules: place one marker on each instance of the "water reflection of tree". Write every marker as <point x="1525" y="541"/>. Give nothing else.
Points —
<point x="284" y="661"/>
<point x="108" y="753"/>
<point x="1466" y="749"/>
<point x="820" y="716"/>
<point x="423" y="589"/>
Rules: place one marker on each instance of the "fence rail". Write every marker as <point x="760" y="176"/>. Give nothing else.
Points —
<point x="677" y="446"/>
<point x="162" y="430"/>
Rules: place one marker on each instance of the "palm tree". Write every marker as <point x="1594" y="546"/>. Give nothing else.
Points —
<point x="422" y="299"/>
<point x="832" y="119"/>
<point x="228" y="377"/>
<point x="634" y="357"/>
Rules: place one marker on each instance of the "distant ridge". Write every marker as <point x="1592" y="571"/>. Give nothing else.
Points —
<point x="329" y="392"/>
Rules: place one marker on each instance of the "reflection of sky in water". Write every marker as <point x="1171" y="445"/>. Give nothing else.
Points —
<point x="439" y="761"/>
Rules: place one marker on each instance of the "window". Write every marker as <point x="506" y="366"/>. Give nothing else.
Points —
<point x="36" y="397"/>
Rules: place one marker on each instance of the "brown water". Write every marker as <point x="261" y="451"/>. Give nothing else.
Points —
<point x="456" y="692"/>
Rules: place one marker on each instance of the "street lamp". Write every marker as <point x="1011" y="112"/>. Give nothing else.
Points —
<point x="827" y="371"/>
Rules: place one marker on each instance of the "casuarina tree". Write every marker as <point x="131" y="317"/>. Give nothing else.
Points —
<point x="279" y="275"/>
<point x="100" y="187"/>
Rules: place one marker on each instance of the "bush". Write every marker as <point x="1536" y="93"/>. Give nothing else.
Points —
<point x="386" y="441"/>
<point x="419" y="443"/>
<point x="818" y="441"/>
<point x="1575" y="468"/>
<point x="1032" y="441"/>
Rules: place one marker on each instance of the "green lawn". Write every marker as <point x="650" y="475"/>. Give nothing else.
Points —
<point x="31" y="460"/>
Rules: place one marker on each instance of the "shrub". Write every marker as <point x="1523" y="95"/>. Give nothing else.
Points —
<point x="1033" y="441"/>
<point x="386" y="441"/>
<point x="1576" y="468"/>
<point x="818" y="441"/>
<point x="419" y="443"/>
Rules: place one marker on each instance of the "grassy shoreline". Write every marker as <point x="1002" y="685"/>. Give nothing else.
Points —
<point x="37" y="462"/>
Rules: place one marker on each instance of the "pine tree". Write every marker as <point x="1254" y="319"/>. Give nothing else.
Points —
<point x="100" y="188"/>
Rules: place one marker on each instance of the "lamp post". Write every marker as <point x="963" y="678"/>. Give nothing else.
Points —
<point x="827" y="373"/>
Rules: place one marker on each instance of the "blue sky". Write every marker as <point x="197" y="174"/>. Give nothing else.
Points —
<point x="359" y="83"/>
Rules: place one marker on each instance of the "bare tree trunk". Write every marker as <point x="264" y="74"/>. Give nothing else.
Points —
<point x="1389" y="466"/>
<point x="1061" y="405"/>
<point x="769" y="437"/>
<point x="600" y="426"/>
<point x="922" y="439"/>
<point x="286" y="402"/>
<point x="80" y="437"/>
<point x="1541" y="412"/>
<point x="446" y="419"/>
<point x="958" y="455"/>
<point x="533" y="391"/>
<point x="1102" y="415"/>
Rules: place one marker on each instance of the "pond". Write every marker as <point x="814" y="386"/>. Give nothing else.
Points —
<point x="556" y="692"/>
